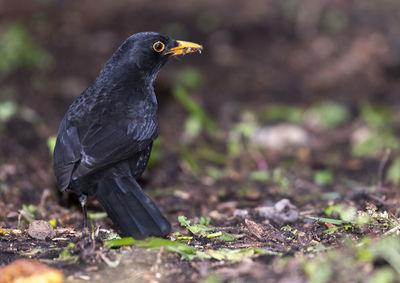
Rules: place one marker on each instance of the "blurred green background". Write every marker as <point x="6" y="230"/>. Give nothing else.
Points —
<point x="329" y="68"/>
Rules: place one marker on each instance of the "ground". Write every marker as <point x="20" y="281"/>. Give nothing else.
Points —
<point x="292" y="100"/>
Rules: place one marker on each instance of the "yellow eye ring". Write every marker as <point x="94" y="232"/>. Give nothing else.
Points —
<point x="158" y="46"/>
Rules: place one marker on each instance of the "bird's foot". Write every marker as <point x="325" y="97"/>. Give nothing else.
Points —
<point x="83" y="200"/>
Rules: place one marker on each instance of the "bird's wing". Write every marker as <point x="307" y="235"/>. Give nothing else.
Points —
<point x="66" y="154"/>
<point x="103" y="145"/>
<point x="77" y="154"/>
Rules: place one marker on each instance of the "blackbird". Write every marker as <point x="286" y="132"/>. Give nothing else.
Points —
<point x="105" y="139"/>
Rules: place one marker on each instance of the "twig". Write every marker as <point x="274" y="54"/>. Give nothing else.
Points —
<point x="109" y="262"/>
<point x="391" y="231"/>
<point x="156" y="266"/>
<point x="365" y="194"/>
<point x="379" y="200"/>
<point x="43" y="198"/>
<point x="381" y="167"/>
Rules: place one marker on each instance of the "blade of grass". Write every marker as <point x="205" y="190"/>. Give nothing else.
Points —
<point x="194" y="109"/>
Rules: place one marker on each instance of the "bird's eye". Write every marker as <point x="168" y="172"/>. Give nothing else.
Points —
<point x="158" y="46"/>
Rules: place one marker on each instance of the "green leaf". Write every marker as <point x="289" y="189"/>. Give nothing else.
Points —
<point x="280" y="178"/>
<point x="17" y="49"/>
<point x="331" y="230"/>
<point x="283" y="112"/>
<point x="205" y="220"/>
<point x="376" y="116"/>
<point x="183" y="221"/>
<point x="147" y="243"/>
<point x="202" y="228"/>
<point x="261" y="175"/>
<point x="227" y="237"/>
<point x="193" y="126"/>
<point x="215" y="173"/>
<point x="196" y="229"/>
<point x="376" y="142"/>
<point x="128" y="241"/>
<point x="184" y="238"/>
<point x="97" y="215"/>
<point x="189" y="159"/>
<point x="53" y="222"/>
<point x="51" y="144"/>
<point x="154" y="245"/>
<point x="28" y="212"/>
<point x="348" y="214"/>
<point x="323" y="177"/>
<point x="201" y="254"/>
<point x="328" y="220"/>
<point x="66" y="255"/>
<point x="8" y="109"/>
<point x="214" y="235"/>
<point x="246" y="128"/>
<point x="234" y="143"/>
<point x="329" y="114"/>
<point x="236" y="255"/>
<point x="194" y="109"/>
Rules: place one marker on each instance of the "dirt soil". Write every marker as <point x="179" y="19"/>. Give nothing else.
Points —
<point x="256" y="54"/>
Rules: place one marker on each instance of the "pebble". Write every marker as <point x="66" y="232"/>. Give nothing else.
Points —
<point x="280" y="137"/>
<point x="282" y="212"/>
<point x="41" y="230"/>
<point x="242" y="213"/>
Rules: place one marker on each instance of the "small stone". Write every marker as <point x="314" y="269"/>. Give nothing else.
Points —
<point x="242" y="213"/>
<point x="41" y="230"/>
<point x="281" y="137"/>
<point x="286" y="211"/>
<point x="281" y="213"/>
<point x="267" y="212"/>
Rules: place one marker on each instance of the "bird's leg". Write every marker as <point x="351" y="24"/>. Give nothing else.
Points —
<point x="83" y="200"/>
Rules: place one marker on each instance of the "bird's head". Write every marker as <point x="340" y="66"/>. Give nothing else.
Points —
<point x="147" y="52"/>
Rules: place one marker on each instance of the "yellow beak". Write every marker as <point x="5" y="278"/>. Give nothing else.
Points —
<point x="184" y="48"/>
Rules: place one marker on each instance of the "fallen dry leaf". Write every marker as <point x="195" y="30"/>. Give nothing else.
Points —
<point x="29" y="271"/>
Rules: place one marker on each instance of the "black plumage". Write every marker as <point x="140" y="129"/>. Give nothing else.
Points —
<point x="105" y="139"/>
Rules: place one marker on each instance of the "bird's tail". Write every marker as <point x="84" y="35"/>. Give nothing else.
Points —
<point x="131" y="210"/>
